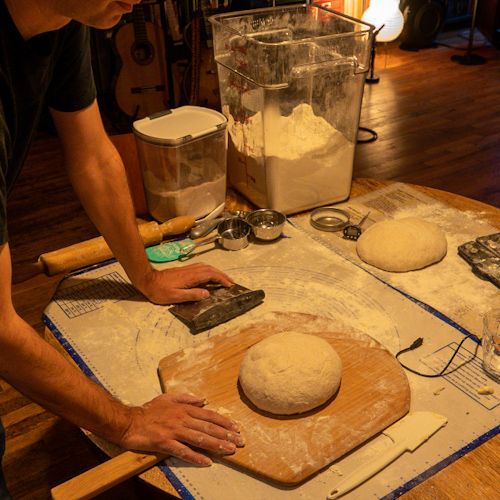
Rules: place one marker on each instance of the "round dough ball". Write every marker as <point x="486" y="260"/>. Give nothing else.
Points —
<point x="290" y="372"/>
<point x="402" y="245"/>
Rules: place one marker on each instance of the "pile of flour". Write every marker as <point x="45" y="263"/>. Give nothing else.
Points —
<point x="292" y="162"/>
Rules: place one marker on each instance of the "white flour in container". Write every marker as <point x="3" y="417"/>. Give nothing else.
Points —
<point x="197" y="200"/>
<point x="289" y="163"/>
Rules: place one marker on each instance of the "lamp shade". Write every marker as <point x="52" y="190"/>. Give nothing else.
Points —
<point x="386" y="13"/>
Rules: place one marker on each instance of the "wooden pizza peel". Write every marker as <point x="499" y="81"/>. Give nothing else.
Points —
<point x="374" y="393"/>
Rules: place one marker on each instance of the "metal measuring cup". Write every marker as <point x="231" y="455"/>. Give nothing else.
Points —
<point x="232" y="234"/>
<point x="266" y="224"/>
<point x="208" y="225"/>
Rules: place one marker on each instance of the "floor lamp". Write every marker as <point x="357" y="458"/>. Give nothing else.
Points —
<point x="388" y="20"/>
<point x="470" y="59"/>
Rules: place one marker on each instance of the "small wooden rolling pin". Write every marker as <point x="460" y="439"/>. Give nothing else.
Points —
<point x="106" y="475"/>
<point x="97" y="250"/>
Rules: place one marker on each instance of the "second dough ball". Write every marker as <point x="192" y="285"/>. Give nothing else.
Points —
<point x="290" y="372"/>
<point x="402" y="245"/>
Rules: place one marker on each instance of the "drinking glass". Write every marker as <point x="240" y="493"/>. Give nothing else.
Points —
<point x="491" y="342"/>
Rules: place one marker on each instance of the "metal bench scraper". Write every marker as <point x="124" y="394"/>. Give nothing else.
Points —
<point x="222" y="305"/>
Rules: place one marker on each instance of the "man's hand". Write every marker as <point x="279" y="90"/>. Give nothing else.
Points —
<point x="179" y="285"/>
<point x="175" y="423"/>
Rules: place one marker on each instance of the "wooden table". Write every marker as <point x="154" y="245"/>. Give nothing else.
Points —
<point x="474" y="475"/>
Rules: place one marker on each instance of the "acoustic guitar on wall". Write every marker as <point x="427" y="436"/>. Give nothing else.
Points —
<point x="140" y="86"/>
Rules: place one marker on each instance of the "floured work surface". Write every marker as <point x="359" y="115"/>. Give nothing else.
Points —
<point x="118" y="338"/>
<point x="449" y="286"/>
<point x="374" y="393"/>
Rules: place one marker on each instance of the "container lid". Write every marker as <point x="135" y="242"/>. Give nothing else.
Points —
<point x="179" y="125"/>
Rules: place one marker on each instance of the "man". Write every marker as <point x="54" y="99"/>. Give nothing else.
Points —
<point x="45" y="60"/>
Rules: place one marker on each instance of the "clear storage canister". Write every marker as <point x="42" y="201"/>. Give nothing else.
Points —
<point x="182" y="153"/>
<point x="291" y="83"/>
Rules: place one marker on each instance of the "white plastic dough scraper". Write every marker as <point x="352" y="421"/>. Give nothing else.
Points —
<point x="407" y="434"/>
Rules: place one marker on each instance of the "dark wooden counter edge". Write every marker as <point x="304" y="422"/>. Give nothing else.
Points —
<point x="475" y="473"/>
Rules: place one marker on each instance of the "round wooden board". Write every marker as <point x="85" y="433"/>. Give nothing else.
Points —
<point x="374" y="393"/>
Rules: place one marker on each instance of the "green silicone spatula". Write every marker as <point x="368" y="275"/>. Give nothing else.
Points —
<point x="168" y="252"/>
<point x="174" y="250"/>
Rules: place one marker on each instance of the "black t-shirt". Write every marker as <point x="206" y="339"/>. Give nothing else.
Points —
<point x="52" y="69"/>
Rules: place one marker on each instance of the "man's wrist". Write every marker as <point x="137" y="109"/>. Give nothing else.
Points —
<point x="124" y="427"/>
<point x="117" y="426"/>
<point x="142" y="277"/>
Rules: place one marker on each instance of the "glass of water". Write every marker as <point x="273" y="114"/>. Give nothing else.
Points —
<point x="491" y="342"/>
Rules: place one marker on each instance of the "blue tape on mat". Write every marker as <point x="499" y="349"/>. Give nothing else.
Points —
<point x="176" y="483"/>
<point x="69" y="349"/>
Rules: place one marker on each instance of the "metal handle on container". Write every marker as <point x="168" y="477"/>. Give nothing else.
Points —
<point x="248" y="79"/>
<point x="304" y="70"/>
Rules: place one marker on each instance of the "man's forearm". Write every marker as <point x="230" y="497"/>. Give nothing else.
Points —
<point x="102" y="187"/>
<point x="37" y="370"/>
<point x="98" y="176"/>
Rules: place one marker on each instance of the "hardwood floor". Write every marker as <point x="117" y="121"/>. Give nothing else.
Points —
<point x="438" y="125"/>
<point x="438" y="122"/>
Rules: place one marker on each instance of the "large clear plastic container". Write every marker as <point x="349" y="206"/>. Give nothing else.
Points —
<point x="182" y="153"/>
<point x="291" y="83"/>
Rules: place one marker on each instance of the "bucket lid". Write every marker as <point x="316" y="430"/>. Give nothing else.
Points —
<point x="179" y="125"/>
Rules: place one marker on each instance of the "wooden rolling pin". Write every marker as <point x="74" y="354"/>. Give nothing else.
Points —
<point x="106" y="475"/>
<point x="96" y="250"/>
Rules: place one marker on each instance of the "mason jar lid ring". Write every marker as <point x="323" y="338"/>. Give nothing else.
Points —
<point x="329" y="218"/>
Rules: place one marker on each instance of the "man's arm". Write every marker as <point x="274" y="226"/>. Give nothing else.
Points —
<point x="98" y="176"/>
<point x="168" y="424"/>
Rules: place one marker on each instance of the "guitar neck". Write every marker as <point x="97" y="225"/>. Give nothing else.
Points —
<point x="140" y="86"/>
<point x="139" y="22"/>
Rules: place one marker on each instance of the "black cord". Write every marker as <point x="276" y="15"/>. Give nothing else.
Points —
<point x="373" y="138"/>
<point x="417" y="343"/>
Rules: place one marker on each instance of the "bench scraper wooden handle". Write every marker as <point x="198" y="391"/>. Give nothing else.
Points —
<point x="96" y="250"/>
<point x="106" y="475"/>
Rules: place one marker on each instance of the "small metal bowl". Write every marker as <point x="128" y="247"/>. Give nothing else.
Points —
<point x="267" y="224"/>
